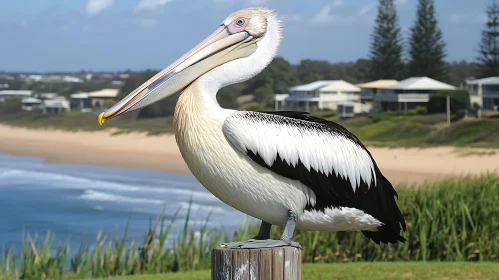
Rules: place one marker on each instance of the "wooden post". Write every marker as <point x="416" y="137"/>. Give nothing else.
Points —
<point x="280" y="263"/>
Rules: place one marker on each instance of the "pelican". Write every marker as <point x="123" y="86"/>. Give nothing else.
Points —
<point x="285" y="168"/>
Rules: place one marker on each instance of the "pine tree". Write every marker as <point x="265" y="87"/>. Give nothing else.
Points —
<point x="489" y="46"/>
<point x="426" y="45"/>
<point x="386" y="44"/>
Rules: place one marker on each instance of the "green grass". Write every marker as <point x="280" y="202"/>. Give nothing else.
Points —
<point x="77" y="121"/>
<point x="456" y="220"/>
<point x="377" y="270"/>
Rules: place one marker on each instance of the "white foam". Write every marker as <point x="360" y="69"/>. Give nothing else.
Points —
<point x="102" y="196"/>
<point x="67" y="181"/>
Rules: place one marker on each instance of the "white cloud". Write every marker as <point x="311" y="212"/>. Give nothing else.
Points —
<point x="366" y="9"/>
<point x="457" y="18"/>
<point x="402" y="2"/>
<point x="328" y="14"/>
<point x="323" y="16"/>
<point x="150" y="4"/>
<point x="95" y="7"/>
<point x="258" y="2"/>
<point x="292" y="17"/>
<point x="338" y="3"/>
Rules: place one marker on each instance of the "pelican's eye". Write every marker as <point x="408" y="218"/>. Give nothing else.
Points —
<point x="237" y="25"/>
<point x="240" y="22"/>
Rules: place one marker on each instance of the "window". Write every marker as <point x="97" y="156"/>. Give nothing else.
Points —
<point x="494" y="88"/>
<point x="473" y="89"/>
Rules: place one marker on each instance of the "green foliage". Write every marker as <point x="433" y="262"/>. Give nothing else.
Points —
<point x="459" y="99"/>
<point x="482" y="133"/>
<point x="78" y="121"/>
<point x="459" y="96"/>
<point x="275" y="79"/>
<point x="10" y="106"/>
<point x="460" y="71"/>
<point x="386" y="44"/>
<point x="488" y="58"/>
<point x="390" y="129"/>
<point x="426" y="45"/>
<point x="452" y="220"/>
<point x="419" y="110"/>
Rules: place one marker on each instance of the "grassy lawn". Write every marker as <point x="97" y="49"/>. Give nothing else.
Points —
<point x="376" y="270"/>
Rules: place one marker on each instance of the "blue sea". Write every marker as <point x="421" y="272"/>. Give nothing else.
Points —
<point x="76" y="201"/>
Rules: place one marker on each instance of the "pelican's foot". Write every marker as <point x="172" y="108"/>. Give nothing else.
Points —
<point x="253" y="244"/>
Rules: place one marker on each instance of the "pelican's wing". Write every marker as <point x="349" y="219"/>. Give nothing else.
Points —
<point x="322" y="155"/>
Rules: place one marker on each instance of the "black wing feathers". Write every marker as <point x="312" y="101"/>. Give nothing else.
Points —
<point x="336" y="191"/>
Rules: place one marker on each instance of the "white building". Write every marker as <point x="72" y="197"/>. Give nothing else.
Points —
<point x="46" y="95"/>
<point x="484" y="93"/>
<point x="280" y="101"/>
<point x="30" y="103"/>
<point x="370" y="89"/>
<point x="6" y="94"/>
<point x="80" y="101"/>
<point x="408" y="93"/>
<point x="55" y="106"/>
<point x="322" y="95"/>
<point x="99" y="98"/>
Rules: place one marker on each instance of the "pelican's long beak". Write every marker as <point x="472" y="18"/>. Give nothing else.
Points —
<point x="220" y="47"/>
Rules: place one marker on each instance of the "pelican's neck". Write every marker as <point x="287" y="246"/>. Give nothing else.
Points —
<point x="198" y="116"/>
<point x="198" y="106"/>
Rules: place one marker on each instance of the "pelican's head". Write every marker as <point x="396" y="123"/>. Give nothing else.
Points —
<point x="250" y="36"/>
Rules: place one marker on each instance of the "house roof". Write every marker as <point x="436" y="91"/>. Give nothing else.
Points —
<point x="48" y="95"/>
<point x="81" y="95"/>
<point x="485" y="81"/>
<point x="56" y="103"/>
<point x="312" y="86"/>
<point x="420" y="83"/>
<point x="16" y="92"/>
<point x="378" y="84"/>
<point x="109" y="93"/>
<point x="340" y="85"/>
<point x="31" y="100"/>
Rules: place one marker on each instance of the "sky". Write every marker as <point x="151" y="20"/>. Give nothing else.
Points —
<point x="114" y="35"/>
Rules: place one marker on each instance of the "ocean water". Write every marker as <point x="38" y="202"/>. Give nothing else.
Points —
<point x="76" y="201"/>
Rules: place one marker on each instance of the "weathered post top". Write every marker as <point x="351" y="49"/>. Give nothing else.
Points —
<point x="279" y="263"/>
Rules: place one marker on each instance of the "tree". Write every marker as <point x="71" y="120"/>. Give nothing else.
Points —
<point x="488" y="58"/>
<point x="426" y="45"/>
<point x="386" y="44"/>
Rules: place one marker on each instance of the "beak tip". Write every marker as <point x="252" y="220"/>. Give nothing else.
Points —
<point x="100" y="118"/>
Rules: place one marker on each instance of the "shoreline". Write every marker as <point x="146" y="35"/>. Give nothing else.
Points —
<point x="399" y="165"/>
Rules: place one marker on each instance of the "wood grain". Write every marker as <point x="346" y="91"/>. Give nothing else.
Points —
<point x="280" y="263"/>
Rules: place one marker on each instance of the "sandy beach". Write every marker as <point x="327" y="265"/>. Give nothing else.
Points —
<point x="399" y="165"/>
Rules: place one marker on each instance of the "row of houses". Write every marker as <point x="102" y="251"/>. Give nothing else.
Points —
<point x="53" y="103"/>
<point x="382" y="95"/>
